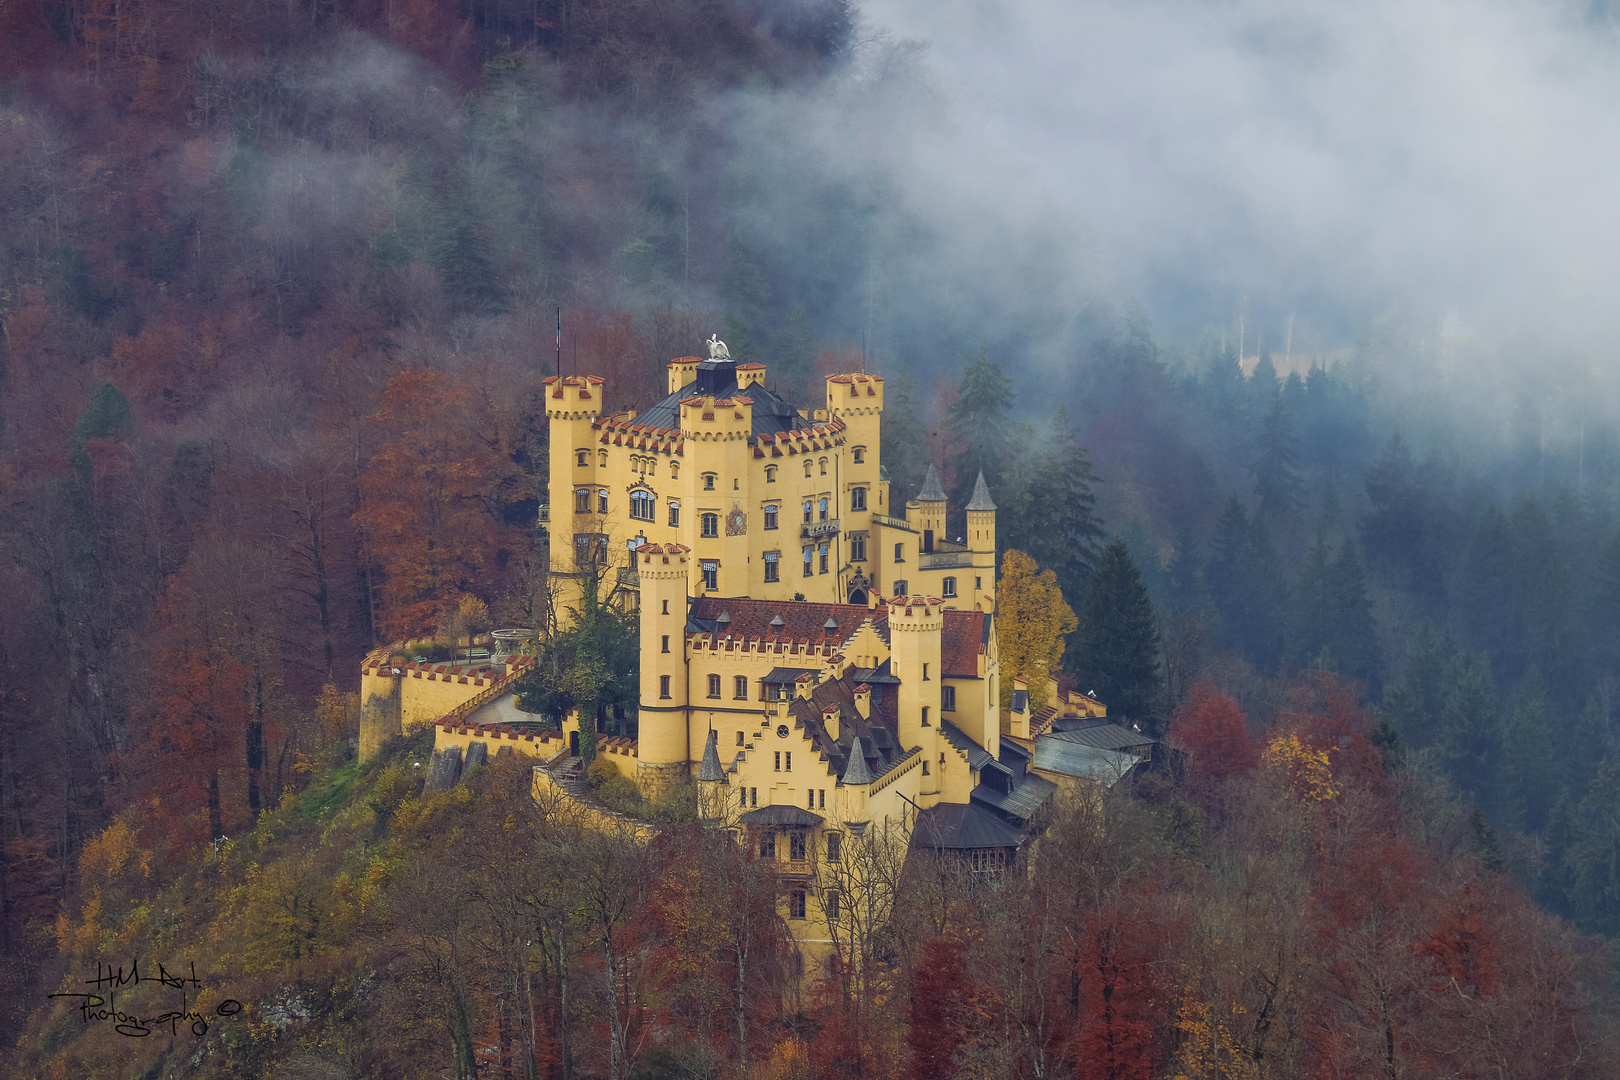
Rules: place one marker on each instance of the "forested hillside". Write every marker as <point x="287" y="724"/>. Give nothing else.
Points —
<point x="278" y="284"/>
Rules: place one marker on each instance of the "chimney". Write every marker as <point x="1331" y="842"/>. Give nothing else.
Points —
<point x="829" y="720"/>
<point x="1020" y="698"/>
<point x="803" y="685"/>
<point x="863" y="701"/>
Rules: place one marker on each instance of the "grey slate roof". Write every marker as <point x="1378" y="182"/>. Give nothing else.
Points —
<point x="1088" y="762"/>
<point x="781" y="815"/>
<point x="857" y="772"/>
<point x="931" y="489"/>
<point x="711" y="769"/>
<point x="959" y="826"/>
<point x="1104" y="737"/>
<point x="1028" y="795"/>
<point x="977" y="756"/>
<point x="788" y="675"/>
<point x="772" y="413"/>
<point x="981" y="495"/>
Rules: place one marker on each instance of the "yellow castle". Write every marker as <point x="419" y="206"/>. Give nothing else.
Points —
<point x="821" y="664"/>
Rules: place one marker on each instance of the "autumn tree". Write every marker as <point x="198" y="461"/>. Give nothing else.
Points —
<point x="424" y="503"/>
<point x="1211" y="728"/>
<point x="1032" y="619"/>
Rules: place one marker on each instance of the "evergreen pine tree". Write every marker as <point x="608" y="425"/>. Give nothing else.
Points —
<point x="1355" y="633"/>
<point x="905" y="440"/>
<point x="1310" y="624"/>
<point x="1397" y="534"/>
<point x="1183" y="575"/>
<point x="978" y="419"/>
<point x="1593" y="856"/>
<point x="1527" y="768"/>
<point x="1050" y="507"/>
<point x="1276" y="466"/>
<point x="1413" y="703"/>
<point x="1117" y="642"/>
<point x="1247" y="586"/>
<point x="1603" y="617"/>
<point x="1470" y="729"/>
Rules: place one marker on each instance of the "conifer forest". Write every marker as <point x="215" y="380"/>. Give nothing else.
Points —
<point x="279" y="284"/>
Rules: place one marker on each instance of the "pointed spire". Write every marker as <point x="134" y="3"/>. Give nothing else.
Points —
<point x="710" y="769"/>
<point x="856" y="771"/>
<point x="981" y="495"/>
<point x="931" y="489"/>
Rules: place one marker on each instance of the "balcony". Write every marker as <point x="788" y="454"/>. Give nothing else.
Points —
<point x="816" y="530"/>
<point x="629" y="578"/>
<point x="892" y="522"/>
<point x="946" y="560"/>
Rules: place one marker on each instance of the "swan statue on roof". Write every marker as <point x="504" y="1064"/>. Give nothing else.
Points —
<point x="717" y="348"/>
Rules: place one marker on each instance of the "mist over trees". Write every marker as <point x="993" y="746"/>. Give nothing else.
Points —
<point x="277" y="287"/>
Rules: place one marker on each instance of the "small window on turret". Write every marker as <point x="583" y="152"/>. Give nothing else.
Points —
<point x="770" y="474"/>
<point x="674" y="470"/>
<point x="708" y="481"/>
<point x="583" y="457"/>
<point x="807" y="470"/>
<point x="601" y="459"/>
<point x="859" y="455"/>
<point x="823" y="466"/>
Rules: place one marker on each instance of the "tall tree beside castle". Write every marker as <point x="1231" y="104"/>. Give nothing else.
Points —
<point x="1049" y="508"/>
<point x="1276" y="464"/>
<point x="1116" y="647"/>
<point x="978" y="418"/>
<point x="1032" y="620"/>
<point x="905" y="439"/>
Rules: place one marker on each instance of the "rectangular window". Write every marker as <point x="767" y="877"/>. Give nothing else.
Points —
<point x="753" y="796"/>
<point x="824" y="798"/>
<point x="770" y="516"/>
<point x="674" y="514"/>
<point x="821" y="505"/>
<point x="900" y="588"/>
<point x="767" y="844"/>
<point x="708" y="481"/>
<point x="714" y="686"/>
<point x="770" y="474"/>
<point x="857" y="499"/>
<point x="711" y="576"/>
<point x="666" y="643"/>
<point x="978" y="583"/>
<point x="796" y="845"/>
<point x="641" y="505"/>
<point x="823" y="552"/>
<point x="829" y="904"/>
<point x="773" y="566"/>
<point x="663" y="686"/>
<point x="582" y="458"/>
<point x="859" y="454"/>
<point x="787" y="761"/>
<point x="809" y="556"/>
<point x="711" y="524"/>
<point x="740" y="688"/>
<point x="796" y="904"/>
<point x="810" y="798"/>
<point x="857" y="549"/>
<point x="835" y="846"/>
<point x="899" y="553"/>
<point x="925" y="673"/>
<point x="925" y="724"/>
<point x="582" y="501"/>
<point x="949" y="587"/>
<point x="947" y="699"/>
<point x="809" y="511"/>
<point x="601" y="501"/>
<point x="739" y="738"/>
<point x="779" y="761"/>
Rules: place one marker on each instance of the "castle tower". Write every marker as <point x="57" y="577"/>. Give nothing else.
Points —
<point x="857" y="399"/>
<point x="916" y="627"/>
<point x="981" y="541"/>
<point x="926" y="513"/>
<point x="577" y="476"/>
<point x="711" y="781"/>
<point x="661" y="750"/>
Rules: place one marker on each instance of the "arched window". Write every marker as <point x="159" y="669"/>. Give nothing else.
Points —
<point x="807" y="464"/>
<point x="859" y="454"/>
<point x="582" y="501"/>
<point x="822" y="506"/>
<point x="601" y="458"/>
<point x="641" y="505"/>
<point x="582" y="457"/>
<point x="809" y="511"/>
<point x="601" y="501"/>
<point x="823" y="466"/>
<point x="674" y="514"/>
<point x="674" y="470"/>
<point x="770" y="474"/>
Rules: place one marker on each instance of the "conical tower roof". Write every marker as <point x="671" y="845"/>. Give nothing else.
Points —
<point x="931" y="489"/>
<point x="710" y="769"/>
<point x="981" y="495"/>
<point x="856" y="771"/>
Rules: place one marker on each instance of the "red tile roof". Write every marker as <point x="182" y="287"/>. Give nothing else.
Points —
<point x="963" y="641"/>
<point x="751" y="619"/>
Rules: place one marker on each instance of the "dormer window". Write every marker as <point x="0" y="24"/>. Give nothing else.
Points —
<point x="708" y="481"/>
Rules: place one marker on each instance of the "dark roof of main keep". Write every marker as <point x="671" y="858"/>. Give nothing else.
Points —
<point x="1105" y="737"/>
<point x="962" y="826"/>
<point x="772" y="412"/>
